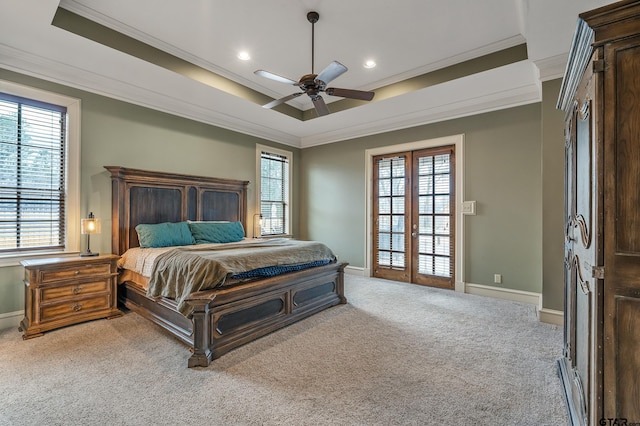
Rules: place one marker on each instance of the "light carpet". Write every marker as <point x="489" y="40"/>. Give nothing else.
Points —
<point x="396" y="354"/>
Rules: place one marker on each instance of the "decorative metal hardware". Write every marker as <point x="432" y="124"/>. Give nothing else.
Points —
<point x="584" y="285"/>
<point x="597" y="272"/>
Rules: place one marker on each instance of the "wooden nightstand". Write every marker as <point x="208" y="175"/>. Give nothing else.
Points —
<point x="64" y="291"/>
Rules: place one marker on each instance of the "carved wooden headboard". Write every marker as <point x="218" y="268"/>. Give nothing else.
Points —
<point x="142" y="196"/>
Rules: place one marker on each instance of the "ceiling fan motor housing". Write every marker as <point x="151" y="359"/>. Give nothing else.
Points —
<point x="310" y="85"/>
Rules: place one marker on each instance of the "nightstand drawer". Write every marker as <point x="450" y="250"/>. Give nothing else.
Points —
<point x="74" y="272"/>
<point x="49" y="294"/>
<point x="75" y="307"/>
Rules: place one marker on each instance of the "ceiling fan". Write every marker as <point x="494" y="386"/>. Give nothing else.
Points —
<point x="312" y="84"/>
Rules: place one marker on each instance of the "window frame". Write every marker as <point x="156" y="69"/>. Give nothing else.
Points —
<point x="288" y="208"/>
<point x="72" y="171"/>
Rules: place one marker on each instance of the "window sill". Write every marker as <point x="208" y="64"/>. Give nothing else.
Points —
<point x="267" y="237"/>
<point x="15" y="259"/>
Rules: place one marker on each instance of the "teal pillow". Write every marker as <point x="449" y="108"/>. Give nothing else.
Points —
<point x="166" y="234"/>
<point x="217" y="232"/>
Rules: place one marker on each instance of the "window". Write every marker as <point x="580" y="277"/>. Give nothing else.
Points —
<point x="32" y="186"/>
<point x="274" y="198"/>
<point x="39" y="172"/>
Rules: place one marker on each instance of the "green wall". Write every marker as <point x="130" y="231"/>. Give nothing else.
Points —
<point x="553" y="197"/>
<point x="502" y="174"/>
<point x="506" y="152"/>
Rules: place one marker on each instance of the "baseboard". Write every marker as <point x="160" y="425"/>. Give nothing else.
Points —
<point x="505" y="294"/>
<point x="355" y="270"/>
<point x="545" y="315"/>
<point x="551" y="316"/>
<point x="11" y="319"/>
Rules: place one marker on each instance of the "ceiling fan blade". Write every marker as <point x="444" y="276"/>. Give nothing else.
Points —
<point x="275" y="77"/>
<point x="349" y="93"/>
<point x="282" y="100"/>
<point x="321" y="107"/>
<point x="332" y="71"/>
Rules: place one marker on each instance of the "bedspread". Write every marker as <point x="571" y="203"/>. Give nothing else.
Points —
<point x="188" y="269"/>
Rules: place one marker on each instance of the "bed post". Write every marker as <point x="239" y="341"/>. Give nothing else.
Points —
<point x="202" y="355"/>
<point x="340" y="283"/>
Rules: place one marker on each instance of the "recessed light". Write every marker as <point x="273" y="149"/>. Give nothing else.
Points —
<point x="370" y="64"/>
<point x="244" y="56"/>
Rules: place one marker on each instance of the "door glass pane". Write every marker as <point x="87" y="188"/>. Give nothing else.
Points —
<point x="384" y="223"/>
<point x="441" y="184"/>
<point x="397" y="260"/>
<point x="384" y="241"/>
<point x="398" y="241"/>
<point x="425" y="185"/>
<point x="398" y="205"/>
<point x="441" y="245"/>
<point x="425" y="205"/>
<point x="442" y="163"/>
<point x="425" y="166"/>
<point x="384" y="187"/>
<point x="442" y="225"/>
<point x="441" y="203"/>
<point x="442" y="267"/>
<point x="425" y="264"/>
<point x="425" y="244"/>
<point x="384" y="206"/>
<point x="398" y="186"/>
<point x="426" y="225"/>
<point x="398" y="223"/>
<point x="398" y="167"/>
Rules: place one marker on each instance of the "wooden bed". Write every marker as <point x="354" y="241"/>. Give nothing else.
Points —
<point x="223" y="318"/>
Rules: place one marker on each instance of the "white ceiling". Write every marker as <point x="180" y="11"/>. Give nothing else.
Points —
<point x="406" y="38"/>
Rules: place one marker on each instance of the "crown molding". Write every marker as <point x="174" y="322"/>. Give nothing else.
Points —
<point x="476" y="94"/>
<point x="114" y="24"/>
<point x="507" y="87"/>
<point x="553" y="67"/>
<point x="57" y="72"/>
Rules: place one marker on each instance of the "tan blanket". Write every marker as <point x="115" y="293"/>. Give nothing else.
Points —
<point x="185" y="270"/>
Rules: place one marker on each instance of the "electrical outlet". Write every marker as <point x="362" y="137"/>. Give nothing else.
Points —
<point x="497" y="278"/>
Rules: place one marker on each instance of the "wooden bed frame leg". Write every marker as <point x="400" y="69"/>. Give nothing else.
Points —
<point x="340" y="284"/>
<point x="202" y="354"/>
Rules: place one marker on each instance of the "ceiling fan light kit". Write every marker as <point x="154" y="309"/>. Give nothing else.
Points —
<point x="313" y="84"/>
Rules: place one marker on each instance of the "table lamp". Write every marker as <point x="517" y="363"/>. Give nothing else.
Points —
<point x="89" y="226"/>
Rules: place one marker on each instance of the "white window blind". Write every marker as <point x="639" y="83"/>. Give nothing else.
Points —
<point x="274" y="193"/>
<point x="32" y="175"/>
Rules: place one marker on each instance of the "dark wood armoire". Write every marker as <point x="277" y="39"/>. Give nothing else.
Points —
<point x="600" y="367"/>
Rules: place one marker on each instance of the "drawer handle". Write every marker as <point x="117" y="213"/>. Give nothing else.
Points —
<point x="76" y="307"/>
<point x="77" y="290"/>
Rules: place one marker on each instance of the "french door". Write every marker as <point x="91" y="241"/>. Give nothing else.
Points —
<point x="413" y="216"/>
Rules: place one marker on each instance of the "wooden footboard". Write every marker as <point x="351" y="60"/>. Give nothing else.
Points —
<point x="226" y="318"/>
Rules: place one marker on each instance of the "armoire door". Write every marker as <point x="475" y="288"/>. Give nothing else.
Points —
<point x="583" y="253"/>
<point x="414" y="216"/>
